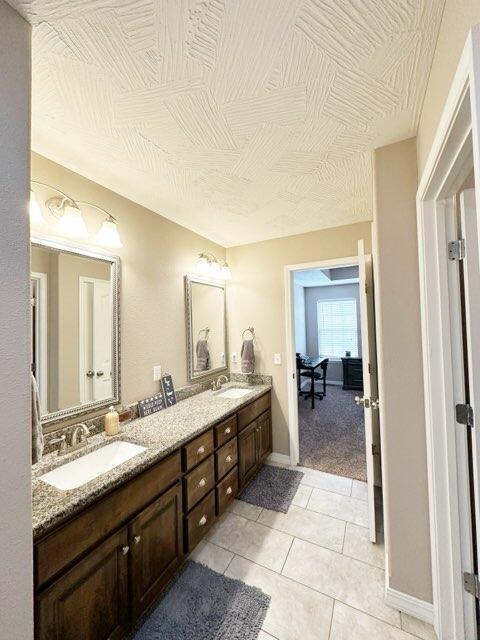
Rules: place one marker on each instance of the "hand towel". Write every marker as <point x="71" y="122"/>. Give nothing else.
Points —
<point x="248" y="357"/>
<point x="203" y="356"/>
<point x="37" y="433"/>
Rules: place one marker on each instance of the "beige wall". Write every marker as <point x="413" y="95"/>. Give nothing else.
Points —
<point x="255" y="297"/>
<point x="458" y="17"/>
<point x="157" y="253"/>
<point x="402" y="417"/>
<point x="16" y="567"/>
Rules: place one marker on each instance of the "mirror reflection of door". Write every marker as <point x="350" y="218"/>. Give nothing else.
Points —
<point x="39" y="332"/>
<point x="95" y="339"/>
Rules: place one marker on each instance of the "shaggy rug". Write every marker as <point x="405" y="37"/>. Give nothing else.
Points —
<point x="272" y="488"/>
<point x="332" y="436"/>
<point x="201" y="604"/>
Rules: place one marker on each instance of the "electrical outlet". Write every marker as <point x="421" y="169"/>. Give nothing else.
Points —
<point x="277" y="358"/>
<point x="157" y="373"/>
<point x="234" y="358"/>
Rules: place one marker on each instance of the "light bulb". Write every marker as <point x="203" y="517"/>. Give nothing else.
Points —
<point x="215" y="270"/>
<point x="226" y="272"/>
<point x="36" y="215"/>
<point x="72" y="223"/>
<point x="203" y="265"/>
<point x="108" y="235"/>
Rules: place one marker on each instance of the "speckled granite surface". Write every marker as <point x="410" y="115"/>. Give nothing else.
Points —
<point x="161" y="433"/>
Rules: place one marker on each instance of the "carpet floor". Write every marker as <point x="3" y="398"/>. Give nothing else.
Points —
<point x="332" y="436"/>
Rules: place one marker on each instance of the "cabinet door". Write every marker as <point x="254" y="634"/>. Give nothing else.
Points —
<point x="89" y="602"/>
<point x="156" y="543"/>
<point x="247" y="453"/>
<point x="264" y="435"/>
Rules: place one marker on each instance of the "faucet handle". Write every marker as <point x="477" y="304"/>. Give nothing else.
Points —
<point x="62" y="440"/>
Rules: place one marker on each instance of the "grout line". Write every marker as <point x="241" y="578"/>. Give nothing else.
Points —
<point x="344" y="536"/>
<point x="229" y="562"/>
<point x="288" y="553"/>
<point x="331" y="619"/>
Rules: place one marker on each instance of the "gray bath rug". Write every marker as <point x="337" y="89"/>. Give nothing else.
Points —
<point x="202" y="604"/>
<point x="273" y="488"/>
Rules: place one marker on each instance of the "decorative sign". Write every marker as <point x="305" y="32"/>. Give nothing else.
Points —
<point x="151" y="405"/>
<point x="168" y="390"/>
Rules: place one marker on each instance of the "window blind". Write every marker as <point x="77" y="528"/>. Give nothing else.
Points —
<point x="337" y="327"/>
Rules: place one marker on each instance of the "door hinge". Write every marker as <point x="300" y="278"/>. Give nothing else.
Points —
<point x="456" y="249"/>
<point x="471" y="584"/>
<point x="375" y="451"/>
<point x="464" y="414"/>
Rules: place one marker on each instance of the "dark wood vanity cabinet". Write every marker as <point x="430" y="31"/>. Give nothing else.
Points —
<point x="98" y="572"/>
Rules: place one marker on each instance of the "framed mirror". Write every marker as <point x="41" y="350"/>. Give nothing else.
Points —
<point x="206" y="327"/>
<point x="75" y="351"/>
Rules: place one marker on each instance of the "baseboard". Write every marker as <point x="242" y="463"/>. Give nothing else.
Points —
<point x="409" y="604"/>
<point x="279" y="458"/>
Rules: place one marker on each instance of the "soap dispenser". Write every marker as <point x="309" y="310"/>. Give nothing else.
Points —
<point x="111" y="422"/>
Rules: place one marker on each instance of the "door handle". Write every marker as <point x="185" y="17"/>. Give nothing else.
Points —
<point x="99" y="374"/>
<point x="90" y="374"/>
<point x="364" y="401"/>
<point x="375" y="404"/>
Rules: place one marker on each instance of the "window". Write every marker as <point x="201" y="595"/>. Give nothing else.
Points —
<point x="337" y="327"/>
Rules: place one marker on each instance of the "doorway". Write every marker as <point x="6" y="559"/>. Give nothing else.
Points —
<point x="308" y="374"/>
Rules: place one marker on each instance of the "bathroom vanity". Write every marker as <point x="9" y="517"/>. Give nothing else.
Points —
<point x="103" y="554"/>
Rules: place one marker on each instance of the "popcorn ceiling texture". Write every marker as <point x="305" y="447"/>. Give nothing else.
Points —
<point x="241" y="120"/>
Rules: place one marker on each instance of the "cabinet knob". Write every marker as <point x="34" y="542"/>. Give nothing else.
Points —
<point x="137" y="539"/>
<point x="229" y="491"/>
<point x="202" y="482"/>
<point x="201" y="450"/>
<point x="125" y="550"/>
<point x="228" y="430"/>
<point x="228" y="459"/>
<point x="203" y="521"/>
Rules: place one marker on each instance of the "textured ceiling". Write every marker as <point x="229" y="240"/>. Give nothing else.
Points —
<point x="240" y="119"/>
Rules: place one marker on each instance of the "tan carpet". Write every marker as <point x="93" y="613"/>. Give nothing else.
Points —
<point x="332" y="436"/>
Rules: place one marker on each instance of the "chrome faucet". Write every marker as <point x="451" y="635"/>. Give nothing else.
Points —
<point x="62" y="441"/>
<point x="79" y="437"/>
<point x="221" y="379"/>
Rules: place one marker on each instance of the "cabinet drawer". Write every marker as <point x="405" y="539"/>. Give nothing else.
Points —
<point x="226" y="458"/>
<point x="60" y="548"/>
<point x="197" y="450"/>
<point x="199" y="520"/>
<point x="253" y="410"/>
<point x="199" y="482"/>
<point x="227" y="490"/>
<point x="225" y="431"/>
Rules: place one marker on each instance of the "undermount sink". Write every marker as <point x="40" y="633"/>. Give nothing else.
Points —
<point x="233" y="392"/>
<point x="81" y="470"/>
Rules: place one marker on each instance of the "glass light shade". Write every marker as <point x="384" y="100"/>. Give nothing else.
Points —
<point x="215" y="270"/>
<point x="203" y="266"/>
<point x="36" y="215"/>
<point x="72" y="223"/>
<point x="226" y="272"/>
<point x="108" y="235"/>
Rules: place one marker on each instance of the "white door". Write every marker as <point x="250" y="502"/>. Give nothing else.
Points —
<point x="95" y="340"/>
<point x="370" y="383"/>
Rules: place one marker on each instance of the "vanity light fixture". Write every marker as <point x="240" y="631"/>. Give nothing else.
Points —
<point x="70" y="219"/>
<point x="209" y="266"/>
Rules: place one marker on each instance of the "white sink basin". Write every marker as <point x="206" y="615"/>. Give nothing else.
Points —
<point x="91" y="465"/>
<point x="233" y="392"/>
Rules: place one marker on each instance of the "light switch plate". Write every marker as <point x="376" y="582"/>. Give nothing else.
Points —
<point x="277" y="358"/>
<point x="157" y="373"/>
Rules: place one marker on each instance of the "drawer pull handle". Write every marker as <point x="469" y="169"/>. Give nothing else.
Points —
<point x="228" y="430"/>
<point x="125" y="550"/>
<point x="229" y="491"/>
<point x="137" y="539"/>
<point x="203" y="521"/>
<point x="201" y="450"/>
<point x="228" y="459"/>
<point x="202" y="482"/>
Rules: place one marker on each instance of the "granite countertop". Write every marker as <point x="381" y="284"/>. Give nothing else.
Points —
<point x="161" y="433"/>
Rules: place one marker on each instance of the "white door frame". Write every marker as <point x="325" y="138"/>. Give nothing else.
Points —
<point x="41" y="357"/>
<point x="456" y="136"/>
<point x="290" y="350"/>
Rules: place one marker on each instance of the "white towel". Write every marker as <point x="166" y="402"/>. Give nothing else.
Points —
<point x="248" y="357"/>
<point x="37" y="433"/>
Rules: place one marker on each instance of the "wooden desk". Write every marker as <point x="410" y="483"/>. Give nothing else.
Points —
<point x="311" y="365"/>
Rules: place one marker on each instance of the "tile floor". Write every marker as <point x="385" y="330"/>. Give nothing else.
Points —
<point x="325" y="578"/>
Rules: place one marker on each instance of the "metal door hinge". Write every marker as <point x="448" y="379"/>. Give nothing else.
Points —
<point x="375" y="451"/>
<point x="464" y="414"/>
<point x="456" y="249"/>
<point x="471" y="584"/>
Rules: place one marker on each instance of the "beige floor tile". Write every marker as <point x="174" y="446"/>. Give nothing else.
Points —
<point x="245" y="509"/>
<point x="350" y="624"/>
<point x="302" y="496"/>
<point x="265" y="636"/>
<point x="326" y="481"/>
<point x="418" y="628"/>
<point x="295" y="612"/>
<point x="355" y="583"/>
<point x="357" y="545"/>
<point x="212" y="556"/>
<point x="338" y="506"/>
<point x="251" y="540"/>
<point x="307" y="525"/>
<point x="359" y="490"/>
